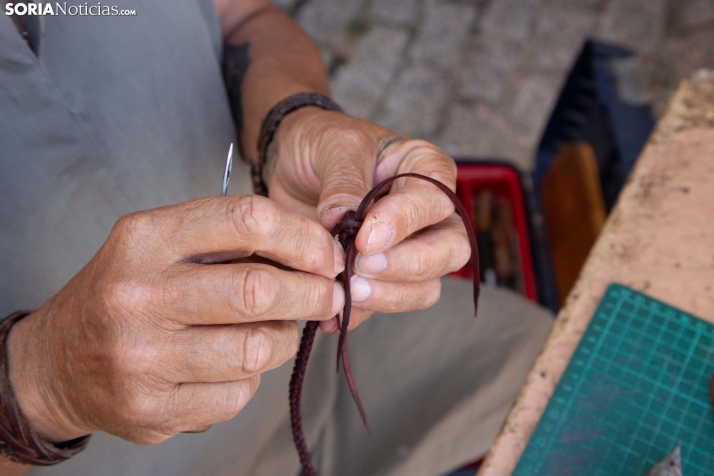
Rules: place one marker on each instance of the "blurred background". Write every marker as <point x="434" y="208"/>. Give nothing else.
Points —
<point x="480" y="77"/>
<point x="545" y="104"/>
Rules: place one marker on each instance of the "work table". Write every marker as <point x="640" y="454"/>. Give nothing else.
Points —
<point x="658" y="239"/>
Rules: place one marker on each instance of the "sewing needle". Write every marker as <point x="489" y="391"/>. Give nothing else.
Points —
<point x="227" y="171"/>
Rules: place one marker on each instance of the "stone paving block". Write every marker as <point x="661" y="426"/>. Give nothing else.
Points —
<point x="444" y="30"/>
<point x="638" y="24"/>
<point x="488" y="65"/>
<point x="398" y="12"/>
<point x="511" y="19"/>
<point x="691" y="13"/>
<point x="532" y="105"/>
<point x="326" y="21"/>
<point x="359" y="85"/>
<point x="560" y="34"/>
<point x="416" y="103"/>
<point x="469" y="131"/>
<point x="481" y="132"/>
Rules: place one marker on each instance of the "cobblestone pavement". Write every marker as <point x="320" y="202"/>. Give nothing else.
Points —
<point x="479" y="77"/>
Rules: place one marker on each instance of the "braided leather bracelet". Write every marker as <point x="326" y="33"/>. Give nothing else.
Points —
<point x="270" y="125"/>
<point x="18" y="442"/>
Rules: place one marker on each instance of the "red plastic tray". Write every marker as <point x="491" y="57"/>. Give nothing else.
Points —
<point x="504" y="181"/>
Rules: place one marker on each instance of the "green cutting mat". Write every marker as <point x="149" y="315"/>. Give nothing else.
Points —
<point x="637" y="385"/>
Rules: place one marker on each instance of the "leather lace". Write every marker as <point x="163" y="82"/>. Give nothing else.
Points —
<point x="346" y="232"/>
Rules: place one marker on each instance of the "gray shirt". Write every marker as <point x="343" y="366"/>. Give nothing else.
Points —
<point x="113" y="115"/>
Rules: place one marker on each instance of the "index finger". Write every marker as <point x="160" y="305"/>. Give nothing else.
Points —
<point x="412" y="204"/>
<point x="237" y="226"/>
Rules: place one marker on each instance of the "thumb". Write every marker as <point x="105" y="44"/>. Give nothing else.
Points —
<point x="345" y="167"/>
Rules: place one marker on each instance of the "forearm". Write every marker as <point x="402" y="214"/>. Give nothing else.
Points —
<point x="267" y="58"/>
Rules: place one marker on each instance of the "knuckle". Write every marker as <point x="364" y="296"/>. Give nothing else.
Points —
<point x="253" y="216"/>
<point x="148" y="438"/>
<point x="421" y="151"/>
<point x="141" y="410"/>
<point x="346" y="136"/>
<point x="258" y="293"/>
<point x="126" y="296"/>
<point x="444" y="205"/>
<point x="420" y="143"/>
<point x="462" y="253"/>
<point x="238" y="394"/>
<point x="422" y="264"/>
<point x="436" y="208"/>
<point x="317" y="300"/>
<point x="302" y="246"/>
<point x="313" y="245"/>
<point x="257" y="350"/>
<point x="287" y="340"/>
<point x="292" y="338"/>
<point x="432" y="294"/>
<point x="134" y="228"/>
<point x="415" y="218"/>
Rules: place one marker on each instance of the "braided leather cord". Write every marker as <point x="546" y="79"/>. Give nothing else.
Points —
<point x="18" y="442"/>
<point x="346" y="232"/>
<point x="296" y="380"/>
<point x="270" y="125"/>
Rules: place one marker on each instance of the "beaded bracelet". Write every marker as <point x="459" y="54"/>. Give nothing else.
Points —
<point x="18" y="442"/>
<point x="270" y="125"/>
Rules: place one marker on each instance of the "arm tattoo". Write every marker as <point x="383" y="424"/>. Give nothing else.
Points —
<point x="235" y="65"/>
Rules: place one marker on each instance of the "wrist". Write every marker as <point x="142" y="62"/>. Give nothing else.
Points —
<point x="290" y="127"/>
<point x="293" y="121"/>
<point x="35" y="384"/>
<point x="273" y="119"/>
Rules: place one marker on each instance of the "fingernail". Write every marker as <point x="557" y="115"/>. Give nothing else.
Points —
<point x="379" y="236"/>
<point x="374" y="264"/>
<point x="338" y="298"/>
<point x="336" y="209"/>
<point x="339" y="256"/>
<point x="329" y="327"/>
<point x="341" y="204"/>
<point x="360" y="289"/>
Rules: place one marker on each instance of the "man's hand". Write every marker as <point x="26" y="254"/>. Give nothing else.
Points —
<point x="323" y="163"/>
<point x="168" y="327"/>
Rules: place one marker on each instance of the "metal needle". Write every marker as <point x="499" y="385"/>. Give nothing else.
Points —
<point x="227" y="171"/>
<point x="224" y="190"/>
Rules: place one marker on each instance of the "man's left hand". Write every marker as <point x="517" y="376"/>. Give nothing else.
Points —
<point x="322" y="163"/>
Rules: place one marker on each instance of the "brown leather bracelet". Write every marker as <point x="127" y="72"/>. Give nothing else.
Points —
<point x="18" y="442"/>
<point x="270" y="125"/>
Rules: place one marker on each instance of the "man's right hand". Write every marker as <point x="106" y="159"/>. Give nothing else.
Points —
<point x="165" y="330"/>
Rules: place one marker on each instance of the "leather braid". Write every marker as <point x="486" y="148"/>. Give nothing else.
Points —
<point x="298" y="376"/>
<point x="346" y="231"/>
<point x="18" y="442"/>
